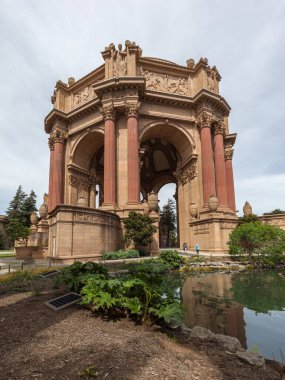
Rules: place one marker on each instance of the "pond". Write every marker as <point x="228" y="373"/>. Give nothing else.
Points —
<point x="249" y="306"/>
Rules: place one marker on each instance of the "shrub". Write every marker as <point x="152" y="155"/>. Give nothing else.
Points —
<point x="171" y="258"/>
<point x="138" y="229"/>
<point x="74" y="275"/>
<point x="121" y="254"/>
<point x="146" y="300"/>
<point x="260" y="242"/>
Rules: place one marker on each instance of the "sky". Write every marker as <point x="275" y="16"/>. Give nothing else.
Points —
<point x="44" y="41"/>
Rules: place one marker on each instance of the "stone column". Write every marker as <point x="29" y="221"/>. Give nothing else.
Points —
<point x="109" y="156"/>
<point x="230" y="179"/>
<point x="50" y="187"/>
<point x="207" y="158"/>
<point x="57" y="187"/>
<point x="133" y="153"/>
<point x="220" y="167"/>
<point x="92" y="200"/>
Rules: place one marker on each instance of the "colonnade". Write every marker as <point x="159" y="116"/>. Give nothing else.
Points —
<point x="217" y="171"/>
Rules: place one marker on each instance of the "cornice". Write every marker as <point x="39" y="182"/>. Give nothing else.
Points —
<point x="163" y="65"/>
<point x="82" y="81"/>
<point x="52" y="117"/>
<point x="117" y="83"/>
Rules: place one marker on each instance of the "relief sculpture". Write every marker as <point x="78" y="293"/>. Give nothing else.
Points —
<point x="83" y="96"/>
<point x="163" y="83"/>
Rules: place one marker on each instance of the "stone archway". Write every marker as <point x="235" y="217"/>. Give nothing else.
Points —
<point x="86" y="170"/>
<point x="166" y="150"/>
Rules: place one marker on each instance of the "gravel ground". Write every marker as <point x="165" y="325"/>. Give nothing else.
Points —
<point x="39" y="343"/>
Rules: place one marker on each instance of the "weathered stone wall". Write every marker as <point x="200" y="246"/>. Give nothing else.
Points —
<point x="274" y="219"/>
<point x="80" y="233"/>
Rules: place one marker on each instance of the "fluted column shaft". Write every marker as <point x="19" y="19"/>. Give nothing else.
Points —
<point x="207" y="162"/>
<point x="133" y="155"/>
<point x="50" y="187"/>
<point x="109" y="157"/>
<point x="230" y="179"/>
<point x="220" y="167"/>
<point x="57" y="189"/>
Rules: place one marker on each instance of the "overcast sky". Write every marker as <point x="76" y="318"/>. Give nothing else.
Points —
<point x="43" y="41"/>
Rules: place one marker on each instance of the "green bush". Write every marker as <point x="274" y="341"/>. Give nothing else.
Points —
<point x="137" y="294"/>
<point x="171" y="258"/>
<point x="121" y="254"/>
<point x="138" y="230"/>
<point x="75" y="275"/>
<point x="259" y="242"/>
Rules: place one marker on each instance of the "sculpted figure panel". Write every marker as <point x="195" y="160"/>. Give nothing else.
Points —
<point x="163" y="83"/>
<point x="83" y="96"/>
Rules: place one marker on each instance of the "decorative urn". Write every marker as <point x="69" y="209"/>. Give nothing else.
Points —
<point x="213" y="203"/>
<point x="152" y="201"/>
<point x="43" y="211"/>
<point x="145" y="207"/>
<point x="247" y="209"/>
<point x="34" y="221"/>
<point x="193" y="210"/>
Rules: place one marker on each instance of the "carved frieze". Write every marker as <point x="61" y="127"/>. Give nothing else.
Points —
<point x="163" y="83"/>
<point x="78" y="182"/>
<point x="83" y="96"/>
<point x="95" y="219"/>
<point x="228" y="225"/>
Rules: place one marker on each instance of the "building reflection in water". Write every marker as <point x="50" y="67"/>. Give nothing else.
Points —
<point x="209" y="303"/>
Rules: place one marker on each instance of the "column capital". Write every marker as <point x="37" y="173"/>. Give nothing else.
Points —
<point x="57" y="136"/>
<point x="204" y="120"/>
<point x="132" y="109"/>
<point x="219" y="128"/>
<point x="229" y="153"/>
<point x="108" y="112"/>
<point x="51" y="143"/>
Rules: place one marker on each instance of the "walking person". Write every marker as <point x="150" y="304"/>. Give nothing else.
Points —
<point x="197" y="248"/>
<point x="184" y="247"/>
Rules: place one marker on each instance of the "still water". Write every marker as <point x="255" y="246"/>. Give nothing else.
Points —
<point x="249" y="306"/>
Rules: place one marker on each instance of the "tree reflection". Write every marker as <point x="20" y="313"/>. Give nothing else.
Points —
<point x="260" y="291"/>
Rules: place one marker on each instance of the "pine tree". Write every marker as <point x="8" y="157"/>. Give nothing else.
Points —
<point x="168" y="220"/>
<point x="18" y="214"/>
<point x="14" y="210"/>
<point x="28" y="206"/>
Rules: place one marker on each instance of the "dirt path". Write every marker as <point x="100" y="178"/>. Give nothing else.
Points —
<point x="38" y="343"/>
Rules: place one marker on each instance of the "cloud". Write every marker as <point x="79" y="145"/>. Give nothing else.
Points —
<point x="43" y="41"/>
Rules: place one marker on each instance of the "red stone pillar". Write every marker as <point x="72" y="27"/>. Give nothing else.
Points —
<point x="220" y="167"/>
<point x="207" y="158"/>
<point x="133" y="154"/>
<point x="230" y="179"/>
<point x="50" y="189"/>
<point x="58" y="161"/>
<point x="109" y="156"/>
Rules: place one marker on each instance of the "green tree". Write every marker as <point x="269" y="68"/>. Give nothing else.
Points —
<point x="138" y="230"/>
<point x="168" y="221"/>
<point x="15" y="207"/>
<point x="258" y="241"/>
<point x="2" y="242"/>
<point x="28" y="207"/>
<point x="273" y="212"/>
<point x="247" y="219"/>
<point x="18" y="215"/>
